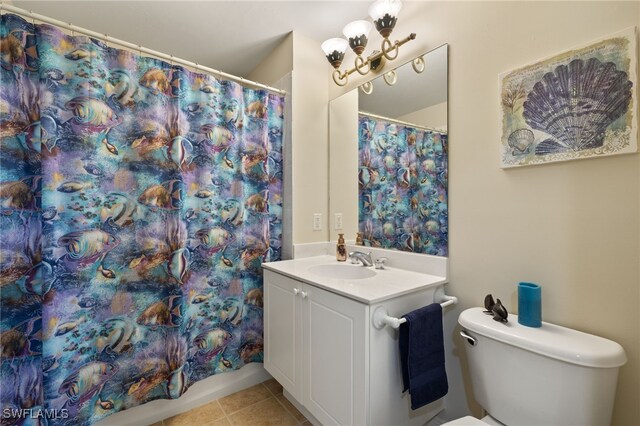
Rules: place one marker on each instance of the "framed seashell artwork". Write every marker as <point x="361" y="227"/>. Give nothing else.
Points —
<point x="579" y="104"/>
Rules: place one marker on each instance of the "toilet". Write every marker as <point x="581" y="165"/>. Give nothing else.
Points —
<point x="549" y="375"/>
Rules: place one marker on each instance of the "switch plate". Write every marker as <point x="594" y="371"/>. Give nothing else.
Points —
<point x="317" y="221"/>
<point x="338" y="221"/>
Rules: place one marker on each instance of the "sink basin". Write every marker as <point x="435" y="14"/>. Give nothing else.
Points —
<point x="344" y="272"/>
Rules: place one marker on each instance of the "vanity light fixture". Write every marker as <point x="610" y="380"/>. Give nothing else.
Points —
<point x="384" y="14"/>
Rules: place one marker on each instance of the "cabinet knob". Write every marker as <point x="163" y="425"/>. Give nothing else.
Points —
<point x="296" y="291"/>
<point x="303" y="294"/>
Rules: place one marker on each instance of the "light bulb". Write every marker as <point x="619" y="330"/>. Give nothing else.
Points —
<point x="358" y="34"/>
<point x="385" y="15"/>
<point x="334" y="49"/>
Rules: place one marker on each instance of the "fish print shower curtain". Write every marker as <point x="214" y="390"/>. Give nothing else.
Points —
<point x="402" y="186"/>
<point x="138" y="201"/>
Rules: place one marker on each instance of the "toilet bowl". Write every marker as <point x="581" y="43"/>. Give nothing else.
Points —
<point x="549" y="375"/>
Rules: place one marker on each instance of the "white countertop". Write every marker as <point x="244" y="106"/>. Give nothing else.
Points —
<point x="386" y="284"/>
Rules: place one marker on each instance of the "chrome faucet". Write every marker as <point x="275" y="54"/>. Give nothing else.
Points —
<point x="364" y="258"/>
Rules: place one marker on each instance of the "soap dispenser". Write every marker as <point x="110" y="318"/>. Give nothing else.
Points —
<point x="341" y="249"/>
<point x="359" y="240"/>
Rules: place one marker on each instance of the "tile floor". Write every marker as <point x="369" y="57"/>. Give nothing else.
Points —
<point x="259" y="405"/>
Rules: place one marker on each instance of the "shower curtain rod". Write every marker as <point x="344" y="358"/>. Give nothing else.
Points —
<point x="404" y="123"/>
<point x="135" y="47"/>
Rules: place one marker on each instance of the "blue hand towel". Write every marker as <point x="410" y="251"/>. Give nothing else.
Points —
<point x="422" y="355"/>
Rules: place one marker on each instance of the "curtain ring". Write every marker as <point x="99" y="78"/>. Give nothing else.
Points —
<point x="140" y="51"/>
<point x="106" y="39"/>
<point x="33" y="20"/>
<point x="197" y="68"/>
<point x="73" y="33"/>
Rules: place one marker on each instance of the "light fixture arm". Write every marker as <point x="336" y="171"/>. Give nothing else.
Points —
<point x="341" y="77"/>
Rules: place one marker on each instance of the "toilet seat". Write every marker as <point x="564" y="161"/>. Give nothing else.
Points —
<point x="466" y="421"/>
<point x="472" y="421"/>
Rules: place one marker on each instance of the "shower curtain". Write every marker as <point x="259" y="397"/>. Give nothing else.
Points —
<point x="402" y="186"/>
<point x="138" y="201"/>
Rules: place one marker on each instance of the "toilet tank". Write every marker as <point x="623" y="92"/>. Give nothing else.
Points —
<point x="550" y="375"/>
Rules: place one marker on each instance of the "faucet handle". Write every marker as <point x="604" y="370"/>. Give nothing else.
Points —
<point x="380" y="262"/>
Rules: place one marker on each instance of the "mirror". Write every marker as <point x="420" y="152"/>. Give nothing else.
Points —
<point x="388" y="159"/>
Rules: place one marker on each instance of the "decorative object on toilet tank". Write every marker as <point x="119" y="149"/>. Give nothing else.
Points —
<point x="578" y="104"/>
<point x="495" y="309"/>
<point x="530" y="304"/>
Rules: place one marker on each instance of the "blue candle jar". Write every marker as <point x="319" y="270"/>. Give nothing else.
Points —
<point x="529" y="304"/>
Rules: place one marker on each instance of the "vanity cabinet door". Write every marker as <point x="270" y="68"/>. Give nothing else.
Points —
<point x="283" y="331"/>
<point x="336" y="364"/>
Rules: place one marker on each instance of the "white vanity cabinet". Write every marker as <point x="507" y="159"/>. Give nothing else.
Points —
<point x="315" y="345"/>
<point x="320" y="343"/>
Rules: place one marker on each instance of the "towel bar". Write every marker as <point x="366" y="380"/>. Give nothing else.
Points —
<point x="380" y="317"/>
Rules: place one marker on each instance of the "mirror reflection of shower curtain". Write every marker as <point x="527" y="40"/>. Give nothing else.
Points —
<point x="402" y="186"/>
<point x="138" y="201"/>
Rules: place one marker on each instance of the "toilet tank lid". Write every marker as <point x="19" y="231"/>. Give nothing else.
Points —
<point x="550" y="340"/>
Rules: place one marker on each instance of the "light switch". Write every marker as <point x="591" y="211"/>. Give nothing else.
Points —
<point x="338" y="222"/>
<point x="317" y="221"/>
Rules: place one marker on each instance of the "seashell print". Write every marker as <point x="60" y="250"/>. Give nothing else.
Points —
<point x="521" y="141"/>
<point x="576" y="103"/>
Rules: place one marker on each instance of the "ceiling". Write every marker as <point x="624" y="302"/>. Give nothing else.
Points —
<point x="232" y="36"/>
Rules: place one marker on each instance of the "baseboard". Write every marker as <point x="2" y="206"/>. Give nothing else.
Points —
<point x="301" y="408"/>
<point x="199" y="393"/>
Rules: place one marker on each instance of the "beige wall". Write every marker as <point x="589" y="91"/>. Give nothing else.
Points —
<point x="572" y="227"/>
<point x="310" y="126"/>
<point x="434" y="117"/>
<point x="310" y="139"/>
<point x="343" y="161"/>
<point x="277" y="64"/>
